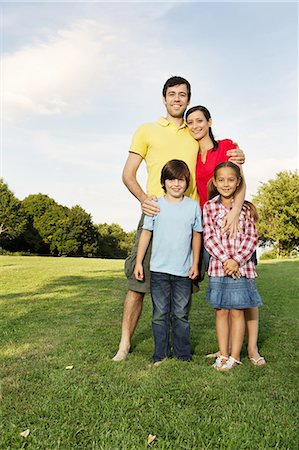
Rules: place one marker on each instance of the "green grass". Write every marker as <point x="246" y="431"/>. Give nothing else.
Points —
<point x="57" y="312"/>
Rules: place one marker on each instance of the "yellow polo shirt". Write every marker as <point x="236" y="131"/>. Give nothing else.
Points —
<point x="159" y="142"/>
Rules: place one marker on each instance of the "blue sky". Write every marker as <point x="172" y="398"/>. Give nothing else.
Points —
<point x="77" y="79"/>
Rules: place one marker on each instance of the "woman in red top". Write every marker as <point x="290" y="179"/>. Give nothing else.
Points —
<point x="211" y="153"/>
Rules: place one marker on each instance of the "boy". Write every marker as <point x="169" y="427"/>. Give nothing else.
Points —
<point x="174" y="261"/>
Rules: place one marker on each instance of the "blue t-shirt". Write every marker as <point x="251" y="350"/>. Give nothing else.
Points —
<point x="172" y="235"/>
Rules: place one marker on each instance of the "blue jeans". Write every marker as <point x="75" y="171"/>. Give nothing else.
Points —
<point x="170" y="297"/>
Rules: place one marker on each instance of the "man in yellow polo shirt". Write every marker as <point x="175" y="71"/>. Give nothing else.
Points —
<point x="156" y="143"/>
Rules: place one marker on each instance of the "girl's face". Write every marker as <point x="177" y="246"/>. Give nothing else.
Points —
<point x="226" y="182"/>
<point x="198" y="125"/>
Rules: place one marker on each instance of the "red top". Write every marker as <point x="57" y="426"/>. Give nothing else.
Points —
<point x="205" y="171"/>
<point x="221" y="247"/>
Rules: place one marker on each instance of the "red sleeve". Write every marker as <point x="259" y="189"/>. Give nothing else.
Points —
<point x="224" y="146"/>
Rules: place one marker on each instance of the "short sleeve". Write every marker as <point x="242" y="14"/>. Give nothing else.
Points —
<point x="139" y="142"/>
<point x="197" y="226"/>
<point x="148" y="223"/>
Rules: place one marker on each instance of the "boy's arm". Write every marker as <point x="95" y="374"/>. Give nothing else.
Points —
<point x="143" y="244"/>
<point x="231" y="221"/>
<point x="196" y="245"/>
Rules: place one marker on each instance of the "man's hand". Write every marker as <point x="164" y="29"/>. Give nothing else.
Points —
<point x="138" y="272"/>
<point x="193" y="272"/>
<point x="149" y="206"/>
<point x="236" y="155"/>
<point x="231" y="268"/>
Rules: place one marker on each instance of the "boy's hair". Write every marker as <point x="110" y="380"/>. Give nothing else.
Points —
<point x="212" y="190"/>
<point x="175" y="170"/>
<point x="207" y="115"/>
<point x="174" y="81"/>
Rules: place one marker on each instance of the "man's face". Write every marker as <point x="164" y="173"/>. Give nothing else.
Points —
<point x="176" y="101"/>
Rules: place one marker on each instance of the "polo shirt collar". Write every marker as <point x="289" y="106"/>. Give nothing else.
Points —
<point x="164" y="123"/>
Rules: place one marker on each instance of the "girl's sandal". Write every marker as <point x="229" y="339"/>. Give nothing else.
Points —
<point x="229" y="364"/>
<point x="220" y="360"/>
<point x="258" y="361"/>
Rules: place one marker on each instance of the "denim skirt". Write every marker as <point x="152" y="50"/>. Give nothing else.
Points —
<point x="230" y="293"/>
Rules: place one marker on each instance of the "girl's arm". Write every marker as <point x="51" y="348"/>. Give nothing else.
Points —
<point x="231" y="220"/>
<point x="248" y="244"/>
<point x="143" y="244"/>
<point x="211" y="241"/>
<point x="196" y="245"/>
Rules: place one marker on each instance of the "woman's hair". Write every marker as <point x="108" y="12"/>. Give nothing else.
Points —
<point x="212" y="190"/>
<point x="175" y="170"/>
<point x="207" y="115"/>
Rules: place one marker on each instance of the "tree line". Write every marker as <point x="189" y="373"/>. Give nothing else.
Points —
<point x="38" y="224"/>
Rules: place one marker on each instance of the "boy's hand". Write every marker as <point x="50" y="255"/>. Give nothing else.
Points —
<point x="138" y="272"/>
<point x="231" y="268"/>
<point x="193" y="272"/>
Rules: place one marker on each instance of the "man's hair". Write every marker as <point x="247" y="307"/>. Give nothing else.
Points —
<point x="174" y="81"/>
<point x="175" y="170"/>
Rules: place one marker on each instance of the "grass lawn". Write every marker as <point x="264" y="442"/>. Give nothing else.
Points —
<point x="59" y="312"/>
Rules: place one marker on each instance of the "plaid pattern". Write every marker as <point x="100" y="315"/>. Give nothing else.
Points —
<point x="221" y="248"/>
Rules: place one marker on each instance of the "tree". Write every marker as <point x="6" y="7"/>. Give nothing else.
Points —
<point x="114" y="242"/>
<point x="76" y="235"/>
<point x="12" y="221"/>
<point x="277" y="202"/>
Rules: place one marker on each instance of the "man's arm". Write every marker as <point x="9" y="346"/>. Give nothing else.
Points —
<point x="129" y="177"/>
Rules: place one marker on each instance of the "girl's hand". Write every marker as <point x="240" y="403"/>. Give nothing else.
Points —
<point x="149" y="206"/>
<point x="193" y="272"/>
<point x="231" y="267"/>
<point x="138" y="272"/>
<point x="236" y="155"/>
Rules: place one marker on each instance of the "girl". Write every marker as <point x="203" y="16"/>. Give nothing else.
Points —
<point x="231" y="268"/>
<point x="211" y="153"/>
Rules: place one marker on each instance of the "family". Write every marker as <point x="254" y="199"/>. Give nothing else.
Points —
<point x="195" y="187"/>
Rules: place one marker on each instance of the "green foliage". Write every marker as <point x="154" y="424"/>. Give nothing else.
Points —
<point x="114" y="242"/>
<point x="12" y="221"/>
<point x="277" y="202"/>
<point x="67" y="311"/>
<point x="76" y="235"/>
<point x="269" y="254"/>
<point x="40" y="225"/>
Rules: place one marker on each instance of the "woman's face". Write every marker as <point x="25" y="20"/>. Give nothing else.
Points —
<point x="198" y="125"/>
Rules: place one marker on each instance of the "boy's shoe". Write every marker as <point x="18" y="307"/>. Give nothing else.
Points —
<point x="229" y="364"/>
<point x="220" y="360"/>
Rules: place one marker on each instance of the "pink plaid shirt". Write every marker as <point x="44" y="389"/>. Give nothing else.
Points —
<point x="221" y="248"/>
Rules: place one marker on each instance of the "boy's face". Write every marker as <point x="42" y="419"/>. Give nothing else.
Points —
<point x="175" y="188"/>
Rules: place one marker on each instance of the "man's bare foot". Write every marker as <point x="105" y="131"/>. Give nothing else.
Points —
<point x="120" y="356"/>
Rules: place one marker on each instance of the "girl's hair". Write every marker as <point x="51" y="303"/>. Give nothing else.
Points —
<point x="212" y="190"/>
<point x="207" y="115"/>
<point x="175" y="170"/>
